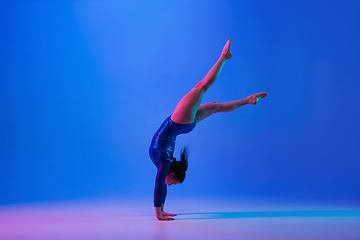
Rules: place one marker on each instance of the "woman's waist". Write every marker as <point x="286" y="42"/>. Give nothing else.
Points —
<point x="164" y="137"/>
<point x="161" y="142"/>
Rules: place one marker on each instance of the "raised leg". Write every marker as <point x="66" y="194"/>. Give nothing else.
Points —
<point x="186" y="109"/>
<point x="207" y="109"/>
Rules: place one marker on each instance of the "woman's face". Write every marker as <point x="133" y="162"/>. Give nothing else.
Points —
<point x="169" y="180"/>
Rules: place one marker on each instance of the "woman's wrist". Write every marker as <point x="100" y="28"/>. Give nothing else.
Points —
<point x="158" y="211"/>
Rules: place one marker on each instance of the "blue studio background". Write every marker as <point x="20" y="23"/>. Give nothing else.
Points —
<point x="85" y="85"/>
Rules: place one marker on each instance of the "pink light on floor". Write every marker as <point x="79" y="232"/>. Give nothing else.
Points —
<point x="197" y="219"/>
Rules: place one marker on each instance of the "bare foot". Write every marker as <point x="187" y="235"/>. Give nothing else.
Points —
<point x="253" y="99"/>
<point x="226" y="50"/>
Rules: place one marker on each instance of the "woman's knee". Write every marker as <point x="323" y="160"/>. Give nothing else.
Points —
<point x="217" y="106"/>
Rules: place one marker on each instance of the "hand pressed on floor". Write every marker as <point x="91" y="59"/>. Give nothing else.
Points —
<point x="164" y="218"/>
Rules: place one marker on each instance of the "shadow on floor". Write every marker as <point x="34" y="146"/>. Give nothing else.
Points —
<point x="229" y="215"/>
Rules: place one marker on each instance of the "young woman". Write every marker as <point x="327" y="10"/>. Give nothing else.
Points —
<point x="186" y="115"/>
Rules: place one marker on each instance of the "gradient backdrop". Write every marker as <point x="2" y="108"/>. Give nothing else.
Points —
<point x="85" y="85"/>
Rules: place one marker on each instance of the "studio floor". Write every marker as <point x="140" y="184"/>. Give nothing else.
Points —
<point x="205" y="218"/>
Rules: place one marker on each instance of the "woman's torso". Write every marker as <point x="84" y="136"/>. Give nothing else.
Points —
<point x="163" y="142"/>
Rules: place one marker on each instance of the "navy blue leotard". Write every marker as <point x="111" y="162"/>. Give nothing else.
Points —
<point x="161" y="153"/>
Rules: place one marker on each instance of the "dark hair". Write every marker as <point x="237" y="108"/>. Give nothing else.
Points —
<point x="180" y="167"/>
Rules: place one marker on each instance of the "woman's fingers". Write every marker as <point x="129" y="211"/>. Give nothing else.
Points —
<point x="168" y="214"/>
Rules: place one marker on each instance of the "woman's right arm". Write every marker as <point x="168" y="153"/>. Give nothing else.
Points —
<point x="159" y="193"/>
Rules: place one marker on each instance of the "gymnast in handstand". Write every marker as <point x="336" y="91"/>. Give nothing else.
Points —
<point x="188" y="112"/>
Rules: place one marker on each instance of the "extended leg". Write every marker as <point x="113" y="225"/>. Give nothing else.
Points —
<point x="186" y="109"/>
<point x="207" y="109"/>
